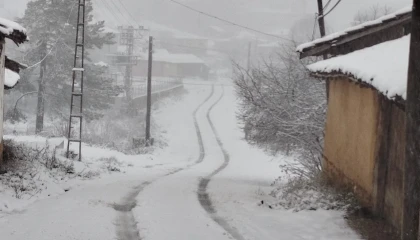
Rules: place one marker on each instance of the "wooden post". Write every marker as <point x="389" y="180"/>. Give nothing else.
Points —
<point x="321" y="22"/>
<point x="149" y="91"/>
<point x="248" y="67"/>
<point x="40" y="106"/>
<point x="410" y="226"/>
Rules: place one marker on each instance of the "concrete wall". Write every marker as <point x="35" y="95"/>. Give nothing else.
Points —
<point x="141" y="102"/>
<point x="393" y="163"/>
<point x="365" y="147"/>
<point x="350" y="137"/>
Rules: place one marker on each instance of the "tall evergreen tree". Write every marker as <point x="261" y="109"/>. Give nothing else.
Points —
<point x="51" y="26"/>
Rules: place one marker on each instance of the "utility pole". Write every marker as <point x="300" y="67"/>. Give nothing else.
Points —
<point x="76" y="103"/>
<point x="149" y="91"/>
<point x="39" y="125"/>
<point x="248" y="67"/>
<point x="410" y="228"/>
<point x="321" y="23"/>
<point x="128" y="78"/>
<point x="128" y="36"/>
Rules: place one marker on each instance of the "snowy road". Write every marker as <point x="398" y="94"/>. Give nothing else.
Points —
<point x="206" y="184"/>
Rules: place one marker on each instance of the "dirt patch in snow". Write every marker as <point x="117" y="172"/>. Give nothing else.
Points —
<point x="370" y="227"/>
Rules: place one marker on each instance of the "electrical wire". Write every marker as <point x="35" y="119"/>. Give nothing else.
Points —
<point x="125" y="8"/>
<point x="109" y="13"/>
<point x="327" y="4"/>
<point x="326" y="14"/>
<point x="118" y="9"/>
<point x="313" y="30"/>
<point x="184" y="46"/>
<point x="230" y="22"/>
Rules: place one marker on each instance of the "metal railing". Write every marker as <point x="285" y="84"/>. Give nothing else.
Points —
<point x="158" y="85"/>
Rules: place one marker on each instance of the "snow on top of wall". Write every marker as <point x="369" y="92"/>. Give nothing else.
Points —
<point x="344" y="32"/>
<point x="383" y="66"/>
<point x="11" y="78"/>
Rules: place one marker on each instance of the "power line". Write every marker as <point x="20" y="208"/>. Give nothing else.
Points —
<point x="122" y="4"/>
<point x="109" y="13"/>
<point x="313" y="30"/>
<point x="230" y="22"/>
<point x="184" y="46"/>
<point x="325" y="14"/>
<point x="115" y="6"/>
<point x="327" y="4"/>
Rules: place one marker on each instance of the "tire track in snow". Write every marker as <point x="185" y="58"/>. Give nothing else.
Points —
<point x="202" y="194"/>
<point x="126" y="224"/>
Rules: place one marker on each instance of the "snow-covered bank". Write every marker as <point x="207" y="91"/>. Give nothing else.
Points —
<point x="239" y="189"/>
<point x="87" y="211"/>
<point x="35" y="181"/>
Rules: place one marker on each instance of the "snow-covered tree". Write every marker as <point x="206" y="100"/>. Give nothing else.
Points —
<point x="283" y="108"/>
<point x="52" y="29"/>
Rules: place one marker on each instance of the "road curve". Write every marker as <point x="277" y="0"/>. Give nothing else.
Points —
<point x="202" y="194"/>
<point x="126" y="224"/>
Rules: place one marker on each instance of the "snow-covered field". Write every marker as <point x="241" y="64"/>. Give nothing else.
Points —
<point x="189" y="189"/>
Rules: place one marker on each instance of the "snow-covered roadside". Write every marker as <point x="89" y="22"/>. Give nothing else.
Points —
<point x="86" y="211"/>
<point x="238" y="190"/>
<point x="173" y="119"/>
<point x="40" y="183"/>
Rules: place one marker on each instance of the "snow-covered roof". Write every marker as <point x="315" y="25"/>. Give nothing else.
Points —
<point x="383" y="66"/>
<point x="163" y="55"/>
<point x="12" y="30"/>
<point x="101" y="64"/>
<point x="334" y="36"/>
<point x="11" y="78"/>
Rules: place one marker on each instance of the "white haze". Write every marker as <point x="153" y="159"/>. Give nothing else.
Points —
<point x="274" y="16"/>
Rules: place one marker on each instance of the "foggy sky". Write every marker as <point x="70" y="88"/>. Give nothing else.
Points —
<point x="265" y="15"/>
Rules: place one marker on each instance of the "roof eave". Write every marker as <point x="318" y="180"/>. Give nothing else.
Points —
<point x="329" y="46"/>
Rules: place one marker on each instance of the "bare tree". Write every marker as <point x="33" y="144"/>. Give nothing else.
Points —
<point x="283" y="108"/>
<point x="374" y="12"/>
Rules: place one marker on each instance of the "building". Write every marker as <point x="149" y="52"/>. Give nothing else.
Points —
<point x="9" y="69"/>
<point x="171" y="65"/>
<point x="364" y="147"/>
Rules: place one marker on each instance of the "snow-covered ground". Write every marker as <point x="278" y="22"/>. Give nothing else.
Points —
<point x="189" y="189"/>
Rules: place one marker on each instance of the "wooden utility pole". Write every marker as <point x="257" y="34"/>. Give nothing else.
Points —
<point x="128" y="34"/>
<point x="248" y="67"/>
<point x="321" y="23"/>
<point x="149" y="91"/>
<point x="39" y="125"/>
<point x="410" y="228"/>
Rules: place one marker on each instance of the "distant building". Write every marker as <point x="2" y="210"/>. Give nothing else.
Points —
<point x="171" y="65"/>
<point x="190" y="45"/>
